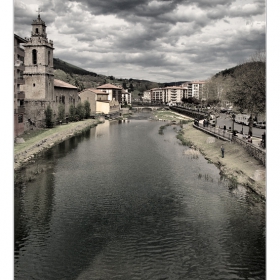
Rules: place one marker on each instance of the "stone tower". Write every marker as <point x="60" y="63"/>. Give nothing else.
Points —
<point x="38" y="61"/>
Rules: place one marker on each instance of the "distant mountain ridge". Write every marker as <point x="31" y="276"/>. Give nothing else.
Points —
<point x="70" y="68"/>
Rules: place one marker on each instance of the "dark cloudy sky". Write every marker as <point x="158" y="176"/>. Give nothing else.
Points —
<point x="156" y="40"/>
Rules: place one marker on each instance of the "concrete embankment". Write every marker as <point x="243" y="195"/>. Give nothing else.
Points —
<point x="26" y="151"/>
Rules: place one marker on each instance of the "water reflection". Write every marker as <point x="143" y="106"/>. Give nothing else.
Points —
<point x="123" y="202"/>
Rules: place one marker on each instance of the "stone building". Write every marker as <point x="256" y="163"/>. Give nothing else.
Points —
<point x="38" y="74"/>
<point x="99" y="101"/>
<point x="19" y="95"/>
<point x="65" y="94"/>
<point x="40" y="87"/>
<point x="113" y="91"/>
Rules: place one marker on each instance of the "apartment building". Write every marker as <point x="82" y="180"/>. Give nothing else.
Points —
<point x="19" y="95"/>
<point x="194" y="89"/>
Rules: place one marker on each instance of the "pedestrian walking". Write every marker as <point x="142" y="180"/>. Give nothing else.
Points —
<point x="223" y="151"/>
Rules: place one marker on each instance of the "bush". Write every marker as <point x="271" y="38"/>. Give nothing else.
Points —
<point x="72" y="113"/>
<point x="61" y="113"/>
<point x="87" y="109"/>
<point x="80" y="111"/>
<point x="49" y="116"/>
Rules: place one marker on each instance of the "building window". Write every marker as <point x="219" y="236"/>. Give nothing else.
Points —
<point x="34" y="56"/>
<point x="33" y="85"/>
<point x="37" y="30"/>
<point x="49" y="58"/>
<point x="20" y="118"/>
<point x="62" y="99"/>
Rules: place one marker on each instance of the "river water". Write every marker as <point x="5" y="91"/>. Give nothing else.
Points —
<point x="122" y="201"/>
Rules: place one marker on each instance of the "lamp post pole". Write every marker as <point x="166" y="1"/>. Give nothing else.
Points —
<point x="233" y="119"/>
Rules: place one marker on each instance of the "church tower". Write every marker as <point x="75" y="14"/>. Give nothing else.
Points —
<point x="38" y="61"/>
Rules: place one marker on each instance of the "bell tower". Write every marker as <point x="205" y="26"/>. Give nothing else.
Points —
<point x="38" y="61"/>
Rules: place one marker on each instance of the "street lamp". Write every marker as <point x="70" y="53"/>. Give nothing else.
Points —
<point x="233" y="120"/>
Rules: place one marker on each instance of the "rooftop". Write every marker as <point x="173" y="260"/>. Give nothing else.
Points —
<point x="59" y="83"/>
<point x="108" y="86"/>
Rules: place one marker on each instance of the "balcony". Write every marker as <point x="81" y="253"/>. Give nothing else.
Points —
<point x="20" y="81"/>
<point x="21" y="95"/>
<point x="20" y="51"/>
<point x="21" y="110"/>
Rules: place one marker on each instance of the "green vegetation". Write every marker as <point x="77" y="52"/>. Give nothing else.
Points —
<point x="80" y="111"/>
<point x="184" y="142"/>
<point x="82" y="79"/>
<point x="72" y="113"/>
<point x="61" y="113"/>
<point x="49" y="116"/>
<point x="87" y="109"/>
<point x="162" y="128"/>
<point x="33" y="137"/>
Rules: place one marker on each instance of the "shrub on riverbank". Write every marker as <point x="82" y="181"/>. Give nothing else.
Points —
<point x="49" y="116"/>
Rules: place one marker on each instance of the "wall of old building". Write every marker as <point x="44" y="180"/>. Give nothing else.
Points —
<point x="70" y="97"/>
<point x="35" y="112"/>
<point x="91" y="98"/>
<point x="38" y="86"/>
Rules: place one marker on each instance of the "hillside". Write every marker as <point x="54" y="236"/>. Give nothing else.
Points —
<point x="85" y="79"/>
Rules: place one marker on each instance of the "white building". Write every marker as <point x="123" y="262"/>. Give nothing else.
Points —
<point x="194" y="89"/>
<point x="126" y="97"/>
<point x="147" y="96"/>
<point x="174" y="94"/>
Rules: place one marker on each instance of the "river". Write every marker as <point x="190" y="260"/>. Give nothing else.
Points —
<point x="122" y="201"/>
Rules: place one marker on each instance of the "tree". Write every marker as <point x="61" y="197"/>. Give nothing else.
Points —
<point x="49" y="117"/>
<point x="87" y="109"/>
<point x="131" y="88"/>
<point x="72" y="113"/>
<point x="124" y="85"/>
<point x="61" y="113"/>
<point x="80" y="111"/>
<point x="248" y="87"/>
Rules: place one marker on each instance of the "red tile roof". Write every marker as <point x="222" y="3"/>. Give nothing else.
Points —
<point x="109" y="86"/>
<point x="94" y="90"/>
<point x="59" y="83"/>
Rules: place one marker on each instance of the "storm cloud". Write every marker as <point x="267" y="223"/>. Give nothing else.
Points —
<point x="154" y="40"/>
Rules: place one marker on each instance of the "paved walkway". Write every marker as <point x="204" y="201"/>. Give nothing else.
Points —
<point x="255" y="140"/>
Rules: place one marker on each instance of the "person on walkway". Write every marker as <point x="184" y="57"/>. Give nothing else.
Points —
<point x="223" y="151"/>
<point x="250" y="139"/>
<point x="263" y="140"/>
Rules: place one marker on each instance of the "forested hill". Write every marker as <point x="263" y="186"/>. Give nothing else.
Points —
<point x="82" y="79"/>
<point x="69" y="68"/>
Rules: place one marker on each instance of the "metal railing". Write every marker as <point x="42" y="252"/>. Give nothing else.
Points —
<point x="255" y="151"/>
<point x="215" y="131"/>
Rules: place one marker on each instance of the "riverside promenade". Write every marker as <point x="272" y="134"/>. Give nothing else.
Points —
<point x="253" y="148"/>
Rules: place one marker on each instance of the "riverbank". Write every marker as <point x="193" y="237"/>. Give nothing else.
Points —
<point x="38" y="141"/>
<point x="237" y="165"/>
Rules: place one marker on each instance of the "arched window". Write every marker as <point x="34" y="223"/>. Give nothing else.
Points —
<point x="34" y="57"/>
<point x="49" y="58"/>
<point x="37" y="30"/>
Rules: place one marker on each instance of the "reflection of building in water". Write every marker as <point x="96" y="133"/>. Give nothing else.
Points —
<point x="101" y="129"/>
<point x="33" y="206"/>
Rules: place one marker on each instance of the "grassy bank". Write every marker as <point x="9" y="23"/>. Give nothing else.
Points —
<point x="38" y="140"/>
<point x="237" y="164"/>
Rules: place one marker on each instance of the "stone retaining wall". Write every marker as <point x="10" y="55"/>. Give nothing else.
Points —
<point x="254" y="151"/>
